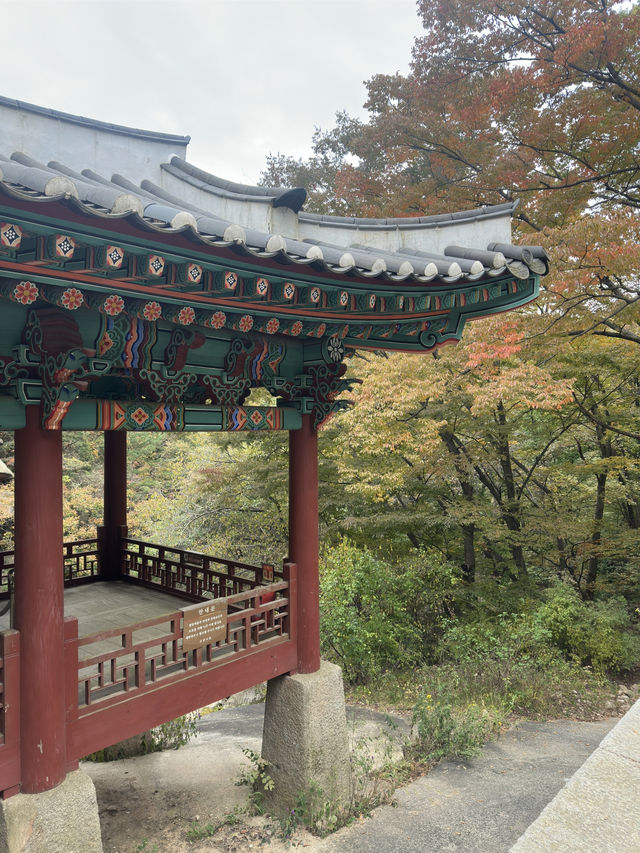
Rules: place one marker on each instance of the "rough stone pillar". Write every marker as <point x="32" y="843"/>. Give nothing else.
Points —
<point x="64" y="820"/>
<point x="115" y="502"/>
<point x="305" y="740"/>
<point x="39" y="603"/>
<point x="303" y="539"/>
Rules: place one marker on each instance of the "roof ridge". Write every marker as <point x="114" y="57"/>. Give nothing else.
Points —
<point x="485" y="211"/>
<point x="156" y="136"/>
<point x="293" y="197"/>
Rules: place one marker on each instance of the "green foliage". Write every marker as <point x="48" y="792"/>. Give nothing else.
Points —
<point x="510" y="664"/>
<point x="362" y="622"/>
<point x="374" y="617"/>
<point x="371" y="786"/>
<point x="444" y="730"/>
<point x="505" y="637"/>
<point x="197" y="832"/>
<point x="314" y="811"/>
<point x="598" y="633"/>
<point x="294" y="818"/>
<point x="256" y="776"/>
<point x="507" y="651"/>
<point x="232" y="503"/>
<point x="144" y="846"/>
<point x="376" y="770"/>
<point x="171" y="735"/>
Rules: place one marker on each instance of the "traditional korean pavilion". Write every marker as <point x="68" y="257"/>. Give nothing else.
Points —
<point x="139" y="292"/>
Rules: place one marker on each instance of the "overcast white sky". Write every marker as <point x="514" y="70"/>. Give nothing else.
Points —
<point x="242" y="77"/>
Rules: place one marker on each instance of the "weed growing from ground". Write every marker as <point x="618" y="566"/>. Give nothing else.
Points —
<point x="256" y="777"/>
<point x="143" y="847"/>
<point x="171" y="735"/>
<point x="197" y="832"/>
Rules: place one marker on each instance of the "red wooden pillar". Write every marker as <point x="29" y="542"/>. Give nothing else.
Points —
<point x="303" y="539"/>
<point x="39" y="602"/>
<point x="115" y="501"/>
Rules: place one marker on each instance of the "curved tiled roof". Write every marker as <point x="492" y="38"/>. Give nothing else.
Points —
<point x="160" y="209"/>
<point x="114" y="220"/>
<point x="433" y="221"/>
<point x="83" y="162"/>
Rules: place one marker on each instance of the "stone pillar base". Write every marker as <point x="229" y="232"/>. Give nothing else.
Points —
<point x="62" y="820"/>
<point x="305" y="740"/>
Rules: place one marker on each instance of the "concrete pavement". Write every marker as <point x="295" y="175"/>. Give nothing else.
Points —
<point x="598" y="810"/>
<point x="481" y="805"/>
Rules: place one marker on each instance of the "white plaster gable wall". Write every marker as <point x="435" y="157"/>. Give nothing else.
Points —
<point x="474" y="233"/>
<point x="249" y="214"/>
<point x="81" y="146"/>
<point x="284" y="221"/>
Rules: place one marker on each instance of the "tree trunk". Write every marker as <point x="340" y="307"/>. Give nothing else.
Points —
<point x="511" y="506"/>
<point x="468" y="530"/>
<point x="469" y="565"/>
<point x="604" y="445"/>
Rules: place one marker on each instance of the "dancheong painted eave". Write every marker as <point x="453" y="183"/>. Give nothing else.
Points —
<point x="185" y="239"/>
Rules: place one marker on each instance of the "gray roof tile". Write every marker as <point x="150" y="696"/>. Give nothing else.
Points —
<point x="159" y="208"/>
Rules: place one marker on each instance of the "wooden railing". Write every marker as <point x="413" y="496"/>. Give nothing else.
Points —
<point x="121" y="681"/>
<point x="7" y="564"/>
<point x="80" y="560"/>
<point x="139" y="658"/>
<point x="188" y="573"/>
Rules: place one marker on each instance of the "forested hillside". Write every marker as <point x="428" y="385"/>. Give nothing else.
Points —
<point x="480" y="507"/>
<point x="516" y="453"/>
<point x="501" y="478"/>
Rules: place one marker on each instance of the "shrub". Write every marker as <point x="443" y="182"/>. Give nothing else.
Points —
<point x="171" y="735"/>
<point x="446" y="731"/>
<point x="598" y="633"/>
<point x="362" y="623"/>
<point x="376" y="618"/>
<point x="505" y="638"/>
<point x="511" y="663"/>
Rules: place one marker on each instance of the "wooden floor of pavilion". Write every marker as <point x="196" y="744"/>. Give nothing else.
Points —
<point x="104" y="606"/>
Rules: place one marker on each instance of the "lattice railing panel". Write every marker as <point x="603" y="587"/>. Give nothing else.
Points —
<point x="80" y="561"/>
<point x="7" y="564"/>
<point x="189" y="573"/>
<point x="136" y="658"/>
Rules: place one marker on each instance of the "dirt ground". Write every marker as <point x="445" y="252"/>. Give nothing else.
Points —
<point x="149" y="803"/>
<point x="136" y="817"/>
<point x="160" y="824"/>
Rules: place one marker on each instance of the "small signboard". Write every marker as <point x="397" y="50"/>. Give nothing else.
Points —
<point x="203" y="624"/>
<point x="267" y="573"/>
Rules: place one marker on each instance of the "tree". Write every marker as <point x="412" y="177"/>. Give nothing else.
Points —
<point x="532" y="101"/>
<point x="528" y="99"/>
<point x="448" y="447"/>
<point x="537" y="102"/>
